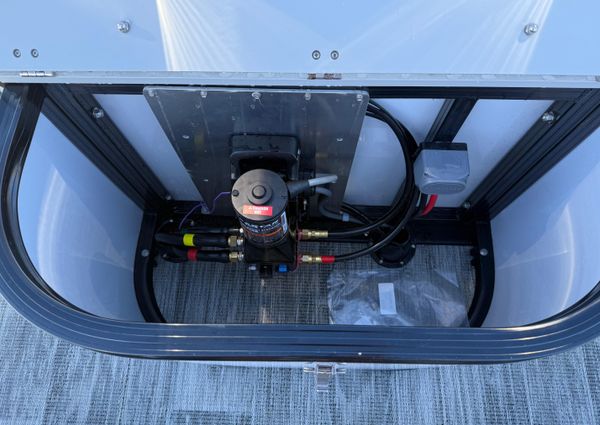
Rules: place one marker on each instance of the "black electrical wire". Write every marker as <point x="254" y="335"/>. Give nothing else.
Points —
<point x="404" y="196"/>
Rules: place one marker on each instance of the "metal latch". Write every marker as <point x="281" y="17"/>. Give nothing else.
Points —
<point x="324" y="373"/>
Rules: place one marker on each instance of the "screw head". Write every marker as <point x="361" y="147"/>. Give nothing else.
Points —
<point x="531" y="28"/>
<point x="168" y="197"/>
<point x="483" y="252"/>
<point x="316" y="55"/>
<point x="124" y="26"/>
<point x="252" y="267"/>
<point x="17" y="53"/>
<point x="98" y="113"/>
<point x="466" y="205"/>
<point x="359" y="97"/>
<point x="235" y="193"/>
<point x="145" y="252"/>
<point x="255" y="95"/>
<point x="334" y="54"/>
<point x="549" y="117"/>
<point x="34" y="53"/>
<point x="307" y="96"/>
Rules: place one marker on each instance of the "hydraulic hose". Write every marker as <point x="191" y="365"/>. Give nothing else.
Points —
<point x="404" y="196"/>
<point x="175" y="254"/>
<point x="193" y="239"/>
<point x="389" y="237"/>
<point x="342" y="216"/>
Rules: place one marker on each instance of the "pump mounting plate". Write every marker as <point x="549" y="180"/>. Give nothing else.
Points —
<point x="200" y="122"/>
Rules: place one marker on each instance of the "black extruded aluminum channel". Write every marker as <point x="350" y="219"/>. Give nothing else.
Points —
<point x="64" y="124"/>
<point x="108" y="127"/>
<point x="382" y="92"/>
<point x="450" y="119"/>
<point x="542" y="147"/>
<point x="142" y="271"/>
<point x="115" y="157"/>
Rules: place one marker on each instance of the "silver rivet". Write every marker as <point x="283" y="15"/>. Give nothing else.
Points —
<point x="307" y="96"/>
<point x="252" y="267"/>
<point x="359" y="97"/>
<point x="17" y="53"/>
<point x="168" y="197"/>
<point x="380" y="261"/>
<point x="124" y="26"/>
<point x="255" y="95"/>
<point x="316" y="54"/>
<point x="186" y="136"/>
<point x="531" y="28"/>
<point x="145" y="253"/>
<point x="548" y="117"/>
<point x="413" y="246"/>
<point x="466" y="205"/>
<point x="334" y="54"/>
<point x="35" y="53"/>
<point x="340" y="139"/>
<point x="483" y="252"/>
<point x="203" y="93"/>
<point x="98" y="113"/>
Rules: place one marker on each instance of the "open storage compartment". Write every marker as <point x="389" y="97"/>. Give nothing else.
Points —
<point x="121" y="230"/>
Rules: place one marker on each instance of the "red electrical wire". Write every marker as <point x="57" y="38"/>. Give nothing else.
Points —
<point x="430" y="204"/>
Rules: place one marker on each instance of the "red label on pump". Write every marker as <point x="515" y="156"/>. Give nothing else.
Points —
<point x="258" y="210"/>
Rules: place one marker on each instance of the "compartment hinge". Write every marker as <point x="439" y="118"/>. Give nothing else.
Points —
<point x="36" y="74"/>
<point x="324" y="373"/>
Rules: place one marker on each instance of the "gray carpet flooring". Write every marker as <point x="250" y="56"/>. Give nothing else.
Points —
<point x="46" y="380"/>
<point x="230" y="293"/>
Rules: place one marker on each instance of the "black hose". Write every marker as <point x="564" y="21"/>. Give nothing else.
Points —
<point x="404" y="196"/>
<point x="388" y="238"/>
<point x="211" y="229"/>
<point x="178" y="255"/>
<point x="194" y="239"/>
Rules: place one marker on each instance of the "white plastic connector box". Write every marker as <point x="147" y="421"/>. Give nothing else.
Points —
<point x="442" y="168"/>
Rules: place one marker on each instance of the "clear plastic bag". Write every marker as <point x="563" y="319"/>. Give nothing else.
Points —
<point x="395" y="298"/>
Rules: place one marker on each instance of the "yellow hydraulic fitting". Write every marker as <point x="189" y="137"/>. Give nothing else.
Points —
<point x="314" y="234"/>
<point x="235" y="241"/>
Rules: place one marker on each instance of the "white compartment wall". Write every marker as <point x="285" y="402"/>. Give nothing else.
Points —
<point x="378" y="167"/>
<point x="79" y="230"/>
<point x="133" y="116"/>
<point x="546" y="242"/>
<point x="492" y="128"/>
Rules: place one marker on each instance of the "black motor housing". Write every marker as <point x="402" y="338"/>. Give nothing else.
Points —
<point x="260" y="198"/>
